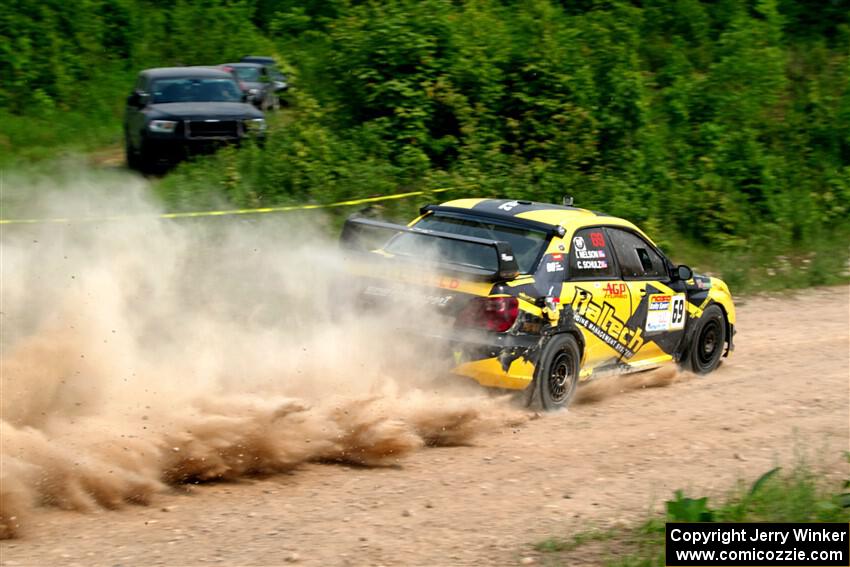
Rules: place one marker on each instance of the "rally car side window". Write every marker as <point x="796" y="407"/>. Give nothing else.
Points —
<point x="590" y="256"/>
<point x="638" y="259"/>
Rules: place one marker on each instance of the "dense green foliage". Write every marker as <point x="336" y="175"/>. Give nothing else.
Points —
<point x="726" y="122"/>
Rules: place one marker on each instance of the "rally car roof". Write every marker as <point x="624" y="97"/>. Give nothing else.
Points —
<point x="553" y="219"/>
<point x="529" y="212"/>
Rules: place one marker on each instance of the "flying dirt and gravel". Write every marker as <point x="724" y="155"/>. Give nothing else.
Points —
<point x="143" y="356"/>
<point x="141" y="352"/>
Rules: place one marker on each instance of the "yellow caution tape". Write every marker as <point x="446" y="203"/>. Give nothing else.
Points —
<point x="263" y="210"/>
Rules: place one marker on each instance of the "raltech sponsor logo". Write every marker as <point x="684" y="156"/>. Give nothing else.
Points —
<point x="602" y="321"/>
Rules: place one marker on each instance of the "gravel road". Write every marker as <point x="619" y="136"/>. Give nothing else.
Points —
<point x="783" y="394"/>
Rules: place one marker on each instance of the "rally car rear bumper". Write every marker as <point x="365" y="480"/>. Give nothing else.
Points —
<point x="492" y="359"/>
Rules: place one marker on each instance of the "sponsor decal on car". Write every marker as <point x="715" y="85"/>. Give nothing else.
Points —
<point x="602" y="321"/>
<point x="431" y="280"/>
<point x="677" y="315"/>
<point x="509" y="206"/>
<point x="589" y="254"/>
<point x="665" y="312"/>
<point x="591" y="264"/>
<point x="587" y="258"/>
<point x="615" y="290"/>
<point x="554" y="267"/>
<point x="403" y="294"/>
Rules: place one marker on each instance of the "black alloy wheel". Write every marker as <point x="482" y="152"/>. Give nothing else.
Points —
<point x="556" y="374"/>
<point x="708" y="342"/>
<point x="560" y="377"/>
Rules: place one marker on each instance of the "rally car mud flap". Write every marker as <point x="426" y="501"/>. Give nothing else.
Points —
<point x="730" y="345"/>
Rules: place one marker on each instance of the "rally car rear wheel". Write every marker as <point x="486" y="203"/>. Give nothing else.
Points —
<point x="708" y="342"/>
<point x="556" y="376"/>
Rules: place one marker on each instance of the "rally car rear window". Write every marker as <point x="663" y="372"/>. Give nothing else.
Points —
<point x="527" y="245"/>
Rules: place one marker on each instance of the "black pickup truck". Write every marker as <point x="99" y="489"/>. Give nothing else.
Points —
<point x="175" y="111"/>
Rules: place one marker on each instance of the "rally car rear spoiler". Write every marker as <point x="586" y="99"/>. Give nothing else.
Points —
<point x="355" y="236"/>
<point x="459" y="212"/>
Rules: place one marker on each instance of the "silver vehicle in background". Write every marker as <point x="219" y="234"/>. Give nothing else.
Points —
<point x="260" y="80"/>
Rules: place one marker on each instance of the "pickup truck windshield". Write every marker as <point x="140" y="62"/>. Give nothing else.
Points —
<point x="195" y="90"/>
<point x="248" y="74"/>
<point x="527" y="244"/>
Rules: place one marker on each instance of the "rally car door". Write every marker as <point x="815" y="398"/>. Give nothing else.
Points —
<point x="600" y="301"/>
<point x="658" y="309"/>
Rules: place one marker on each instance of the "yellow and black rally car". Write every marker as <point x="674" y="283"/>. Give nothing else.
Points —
<point x="543" y="296"/>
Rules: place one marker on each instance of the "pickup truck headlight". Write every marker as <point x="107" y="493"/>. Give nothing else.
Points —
<point x="162" y="126"/>
<point x="255" y="125"/>
<point x="253" y="91"/>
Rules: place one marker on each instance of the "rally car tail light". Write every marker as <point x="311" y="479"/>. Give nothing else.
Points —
<point x="491" y="313"/>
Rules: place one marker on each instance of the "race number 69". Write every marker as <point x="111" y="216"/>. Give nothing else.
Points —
<point x="677" y="320"/>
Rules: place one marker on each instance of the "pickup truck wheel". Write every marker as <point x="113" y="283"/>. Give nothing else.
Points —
<point x="146" y="159"/>
<point x="556" y="375"/>
<point x="709" y="340"/>
<point x="130" y="154"/>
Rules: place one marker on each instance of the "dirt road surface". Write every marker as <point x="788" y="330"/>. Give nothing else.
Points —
<point x="784" y="393"/>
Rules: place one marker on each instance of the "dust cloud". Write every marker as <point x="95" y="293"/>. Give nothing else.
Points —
<point x="140" y="352"/>
<point x="614" y="384"/>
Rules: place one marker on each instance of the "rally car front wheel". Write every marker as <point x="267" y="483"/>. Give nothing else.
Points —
<point x="556" y="376"/>
<point x="709" y="340"/>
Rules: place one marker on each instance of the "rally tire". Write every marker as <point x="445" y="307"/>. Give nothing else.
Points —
<point x="130" y="154"/>
<point x="708" y="342"/>
<point x="556" y="375"/>
<point x="147" y="159"/>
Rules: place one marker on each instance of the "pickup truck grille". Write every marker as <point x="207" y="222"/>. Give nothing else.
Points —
<point x="199" y="129"/>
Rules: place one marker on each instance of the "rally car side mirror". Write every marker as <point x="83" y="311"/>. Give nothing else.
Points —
<point x="683" y="273"/>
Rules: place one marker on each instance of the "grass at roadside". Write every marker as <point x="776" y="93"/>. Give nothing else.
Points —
<point x="50" y="128"/>
<point x="798" y="495"/>
<point x="28" y="139"/>
<point x="761" y="267"/>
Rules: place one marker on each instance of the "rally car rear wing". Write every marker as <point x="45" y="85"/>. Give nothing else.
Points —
<point x="459" y="212"/>
<point x="356" y="236"/>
